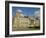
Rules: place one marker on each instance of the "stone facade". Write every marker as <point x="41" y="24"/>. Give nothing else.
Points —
<point x="21" y="21"/>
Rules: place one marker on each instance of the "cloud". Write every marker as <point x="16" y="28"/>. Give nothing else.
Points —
<point x="37" y="13"/>
<point x="18" y="10"/>
<point x="22" y="15"/>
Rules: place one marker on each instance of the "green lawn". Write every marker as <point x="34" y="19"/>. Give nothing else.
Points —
<point x="25" y="29"/>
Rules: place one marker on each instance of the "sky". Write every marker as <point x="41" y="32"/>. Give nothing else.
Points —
<point x="27" y="11"/>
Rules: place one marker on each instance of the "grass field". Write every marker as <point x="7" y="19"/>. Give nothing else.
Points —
<point x="26" y="29"/>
